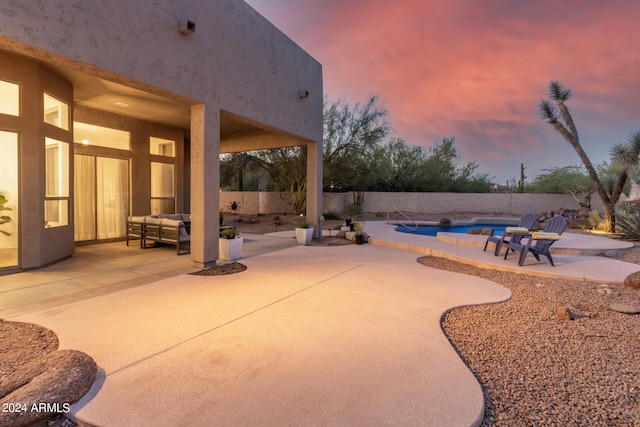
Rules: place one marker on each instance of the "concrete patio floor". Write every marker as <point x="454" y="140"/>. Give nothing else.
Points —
<point x="346" y="335"/>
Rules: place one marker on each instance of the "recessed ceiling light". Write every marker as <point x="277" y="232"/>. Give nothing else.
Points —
<point x="122" y="104"/>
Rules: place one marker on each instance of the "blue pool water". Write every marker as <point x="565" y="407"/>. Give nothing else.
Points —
<point x="432" y="230"/>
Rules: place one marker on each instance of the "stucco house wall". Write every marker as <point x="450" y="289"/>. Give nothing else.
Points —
<point x="235" y="65"/>
<point x="235" y="61"/>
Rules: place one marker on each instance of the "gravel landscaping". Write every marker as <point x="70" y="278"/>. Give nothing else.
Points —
<point x="538" y="368"/>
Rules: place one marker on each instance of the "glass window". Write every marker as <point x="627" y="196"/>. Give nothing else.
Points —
<point x="9" y="207"/>
<point x="56" y="213"/>
<point x="56" y="183"/>
<point x="57" y="168"/>
<point x="162" y="147"/>
<point x="56" y="112"/>
<point x="99" y="136"/>
<point x="9" y="98"/>
<point x="162" y="188"/>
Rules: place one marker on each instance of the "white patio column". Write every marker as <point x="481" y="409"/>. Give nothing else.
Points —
<point x="205" y="184"/>
<point x="314" y="186"/>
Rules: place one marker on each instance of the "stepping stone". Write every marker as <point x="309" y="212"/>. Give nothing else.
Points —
<point x="625" y="308"/>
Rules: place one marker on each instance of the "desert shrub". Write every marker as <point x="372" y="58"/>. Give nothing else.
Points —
<point x="628" y="218"/>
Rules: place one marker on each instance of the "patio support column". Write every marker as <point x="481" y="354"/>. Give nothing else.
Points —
<point x="205" y="184"/>
<point x="314" y="186"/>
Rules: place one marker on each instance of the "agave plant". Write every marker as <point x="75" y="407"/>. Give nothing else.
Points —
<point x="628" y="214"/>
<point x="4" y="218"/>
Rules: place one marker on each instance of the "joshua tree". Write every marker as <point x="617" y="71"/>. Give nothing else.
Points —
<point x="556" y="113"/>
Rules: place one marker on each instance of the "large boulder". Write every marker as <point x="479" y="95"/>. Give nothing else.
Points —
<point x="65" y="376"/>
<point x="633" y="280"/>
<point x="36" y="379"/>
<point x="578" y="223"/>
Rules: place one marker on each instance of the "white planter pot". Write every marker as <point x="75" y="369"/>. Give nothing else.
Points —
<point x="229" y="249"/>
<point x="304" y="235"/>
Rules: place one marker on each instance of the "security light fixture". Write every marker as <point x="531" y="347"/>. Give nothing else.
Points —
<point x="187" y="27"/>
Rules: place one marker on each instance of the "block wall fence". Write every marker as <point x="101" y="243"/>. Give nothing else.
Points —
<point x="514" y="204"/>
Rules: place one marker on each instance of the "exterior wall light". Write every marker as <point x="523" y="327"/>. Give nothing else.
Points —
<point x="187" y="27"/>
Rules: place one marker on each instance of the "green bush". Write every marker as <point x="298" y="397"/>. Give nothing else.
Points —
<point x="304" y="223"/>
<point x="353" y="211"/>
<point x="229" y="233"/>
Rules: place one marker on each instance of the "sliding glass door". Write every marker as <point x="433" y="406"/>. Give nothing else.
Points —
<point x="8" y="199"/>
<point x="101" y="186"/>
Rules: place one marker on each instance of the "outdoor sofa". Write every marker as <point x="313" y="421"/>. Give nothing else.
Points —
<point x="171" y="229"/>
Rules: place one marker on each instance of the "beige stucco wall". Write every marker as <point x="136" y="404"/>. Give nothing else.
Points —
<point x="507" y="203"/>
<point x="37" y="245"/>
<point x="235" y="61"/>
<point x="253" y="202"/>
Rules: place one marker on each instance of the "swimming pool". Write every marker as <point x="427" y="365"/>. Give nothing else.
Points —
<point x="433" y="230"/>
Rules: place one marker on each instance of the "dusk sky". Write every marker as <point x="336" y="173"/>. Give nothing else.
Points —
<point x="477" y="70"/>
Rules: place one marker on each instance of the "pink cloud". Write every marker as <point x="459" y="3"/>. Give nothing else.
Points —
<point x="478" y="70"/>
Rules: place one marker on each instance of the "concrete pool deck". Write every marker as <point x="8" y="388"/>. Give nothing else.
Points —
<point x="572" y="254"/>
<point x="346" y="335"/>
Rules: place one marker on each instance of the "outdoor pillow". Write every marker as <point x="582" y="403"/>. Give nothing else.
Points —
<point x="541" y="235"/>
<point x="514" y="230"/>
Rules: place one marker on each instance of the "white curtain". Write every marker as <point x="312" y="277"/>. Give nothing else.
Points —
<point x="112" y="197"/>
<point x="84" y="186"/>
<point x="101" y="188"/>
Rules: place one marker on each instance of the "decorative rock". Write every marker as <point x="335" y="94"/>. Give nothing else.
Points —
<point x="65" y="376"/>
<point x="625" y="308"/>
<point x="351" y="235"/>
<point x="486" y="231"/>
<point x="565" y="313"/>
<point x="445" y="222"/>
<point x="633" y="280"/>
<point x="578" y="223"/>
<point x="584" y="213"/>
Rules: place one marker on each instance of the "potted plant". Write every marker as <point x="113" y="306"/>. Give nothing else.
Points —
<point x="304" y="232"/>
<point x="4" y="218"/>
<point x="230" y="244"/>
<point x="358" y="227"/>
<point x="353" y="212"/>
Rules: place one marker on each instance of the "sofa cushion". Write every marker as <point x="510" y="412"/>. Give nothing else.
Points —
<point x="171" y="216"/>
<point x="138" y="219"/>
<point x="172" y="222"/>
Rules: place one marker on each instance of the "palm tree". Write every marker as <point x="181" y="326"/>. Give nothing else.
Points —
<point x="557" y="114"/>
